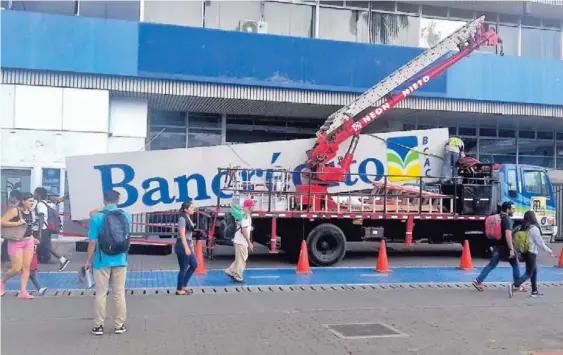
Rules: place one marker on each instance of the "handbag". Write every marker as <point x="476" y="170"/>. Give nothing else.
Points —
<point x="16" y="233"/>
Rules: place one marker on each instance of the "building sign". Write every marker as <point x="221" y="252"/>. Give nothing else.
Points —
<point x="51" y="180"/>
<point x="161" y="180"/>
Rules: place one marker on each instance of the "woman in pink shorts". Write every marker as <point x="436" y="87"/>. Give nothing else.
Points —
<point x="21" y="251"/>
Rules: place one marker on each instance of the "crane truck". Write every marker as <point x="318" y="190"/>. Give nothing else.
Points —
<point x="302" y="205"/>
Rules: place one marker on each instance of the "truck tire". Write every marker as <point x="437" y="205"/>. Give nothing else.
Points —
<point x="326" y="244"/>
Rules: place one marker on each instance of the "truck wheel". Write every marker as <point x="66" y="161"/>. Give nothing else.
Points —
<point x="326" y="244"/>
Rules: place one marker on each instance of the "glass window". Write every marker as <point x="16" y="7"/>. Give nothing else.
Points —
<point x="332" y="2"/>
<point x="435" y="11"/>
<point x="432" y="31"/>
<point x="461" y="14"/>
<point x="508" y="19"/>
<point x="408" y="8"/>
<point x="468" y="131"/>
<point x="497" y="146"/>
<point x="531" y="21"/>
<point x="552" y="23"/>
<point x="488" y="132"/>
<point x="362" y="4"/>
<point x="535" y="182"/>
<point x="546" y="162"/>
<point x="227" y="15"/>
<point x="117" y="10"/>
<point x="452" y="130"/>
<point x="383" y="5"/>
<point x="526" y="134"/>
<point x="507" y="133"/>
<point x="545" y="135"/>
<point x="509" y="37"/>
<point x="343" y="25"/>
<point x="181" y="13"/>
<point x="559" y="136"/>
<point x="470" y="146"/>
<point x="401" y="30"/>
<point x="490" y="17"/>
<point x="289" y="19"/>
<point x="204" y="129"/>
<point x="511" y="179"/>
<point x="541" y="43"/>
<point x="46" y="7"/>
<point x="535" y="147"/>
<point x="408" y="127"/>
<point x="167" y="129"/>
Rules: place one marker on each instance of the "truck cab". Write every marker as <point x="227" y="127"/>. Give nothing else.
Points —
<point x="530" y="188"/>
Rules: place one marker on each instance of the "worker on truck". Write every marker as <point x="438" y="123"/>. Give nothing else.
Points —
<point x="454" y="149"/>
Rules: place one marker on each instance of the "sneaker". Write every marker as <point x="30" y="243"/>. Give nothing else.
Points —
<point x="536" y="294"/>
<point x="24" y="295"/>
<point x="98" y="330"/>
<point x="42" y="291"/>
<point x="64" y="265"/>
<point x="120" y="330"/>
<point x="478" y="285"/>
<point x="511" y="289"/>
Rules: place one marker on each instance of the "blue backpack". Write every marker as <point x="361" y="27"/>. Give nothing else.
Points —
<point x="113" y="238"/>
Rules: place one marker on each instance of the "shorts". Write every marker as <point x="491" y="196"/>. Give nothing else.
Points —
<point x="15" y="247"/>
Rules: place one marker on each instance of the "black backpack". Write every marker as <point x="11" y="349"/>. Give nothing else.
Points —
<point x="113" y="238"/>
<point x="52" y="219"/>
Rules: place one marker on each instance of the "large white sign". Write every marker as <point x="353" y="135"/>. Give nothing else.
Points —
<point x="161" y="180"/>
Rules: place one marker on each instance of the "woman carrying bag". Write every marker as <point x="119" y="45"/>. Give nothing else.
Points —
<point x="17" y="229"/>
<point x="184" y="249"/>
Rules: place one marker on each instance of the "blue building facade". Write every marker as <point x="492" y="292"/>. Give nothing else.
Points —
<point x="213" y="83"/>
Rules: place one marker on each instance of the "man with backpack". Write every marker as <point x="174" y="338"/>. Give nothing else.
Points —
<point x="502" y="247"/>
<point x="109" y="234"/>
<point x="50" y="224"/>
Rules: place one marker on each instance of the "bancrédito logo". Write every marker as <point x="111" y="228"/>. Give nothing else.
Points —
<point x="403" y="158"/>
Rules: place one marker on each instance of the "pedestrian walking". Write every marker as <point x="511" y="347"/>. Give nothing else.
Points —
<point x="108" y="245"/>
<point x="184" y="248"/>
<point x="242" y="243"/>
<point x="18" y="224"/>
<point x="502" y="248"/>
<point x="529" y="241"/>
<point x="47" y="216"/>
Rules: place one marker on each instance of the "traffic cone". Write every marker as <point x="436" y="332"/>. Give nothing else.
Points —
<point x="466" y="263"/>
<point x="200" y="259"/>
<point x="382" y="264"/>
<point x="560" y="263"/>
<point x="303" y="263"/>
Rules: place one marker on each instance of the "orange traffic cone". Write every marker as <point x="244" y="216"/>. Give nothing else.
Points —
<point x="466" y="263"/>
<point x="382" y="264"/>
<point x="303" y="263"/>
<point x="200" y="259"/>
<point x="560" y="263"/>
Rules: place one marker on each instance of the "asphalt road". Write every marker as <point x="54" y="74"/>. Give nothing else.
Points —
<point x="430" y="321"/>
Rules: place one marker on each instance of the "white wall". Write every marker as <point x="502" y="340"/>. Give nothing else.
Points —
<point x="40" y="126"/>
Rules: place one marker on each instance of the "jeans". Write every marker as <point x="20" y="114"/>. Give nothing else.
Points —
<point x="449" y="166"/>
<point x="44" y="247"/>
<point x="187" y="264"/>
<point x="531" y="272"/>
<point x="498" y="252"/>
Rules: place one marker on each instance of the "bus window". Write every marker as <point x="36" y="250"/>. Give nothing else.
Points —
<point x="511" y="179"/>
<point x="535" y="182"/>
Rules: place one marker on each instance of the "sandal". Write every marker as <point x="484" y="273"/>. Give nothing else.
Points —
<point x="188" y="290"/>
<point x="181" y="293"/>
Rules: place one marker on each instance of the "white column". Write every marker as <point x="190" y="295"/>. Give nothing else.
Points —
<point x="224" y="129"/>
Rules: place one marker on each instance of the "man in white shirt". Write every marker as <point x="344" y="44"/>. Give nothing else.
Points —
<point x="45" y="248"/>
<point x="242" y="243"/>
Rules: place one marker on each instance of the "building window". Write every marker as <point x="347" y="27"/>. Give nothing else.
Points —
<point x="495" y="150"/>
<point x="470" y="146"/>
<point x="46" y="7"/>
<point x="181" y="13"/>
<point x="117" y="10"/>
<point x="167" y="129"/>
<point x="536" y="152"/>
<point x="541" y="43"/>
<point x="400" y="30"/>
<point x="227" y="15"/>
<point x="289" y="19"/>
<point x="204" y="129"/>
<point x="344" y="25"/>
<point x="509" y="36"/>
<point x="432" y="31"/>
<point x="254" y="129"/>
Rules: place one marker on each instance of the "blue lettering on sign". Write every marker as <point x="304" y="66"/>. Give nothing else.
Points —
<point x="157" y="189"/>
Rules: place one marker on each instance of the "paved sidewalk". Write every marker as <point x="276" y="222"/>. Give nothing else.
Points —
<point x="435" y="322"/>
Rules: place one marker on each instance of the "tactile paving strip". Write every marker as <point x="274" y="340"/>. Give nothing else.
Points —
<point x="296" y="288"/>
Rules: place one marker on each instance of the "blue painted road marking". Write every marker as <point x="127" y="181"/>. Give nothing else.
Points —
<point x="287" y="277"/>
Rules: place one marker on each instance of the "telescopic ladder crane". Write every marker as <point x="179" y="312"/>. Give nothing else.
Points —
<point x="351" y="119"/>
